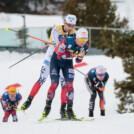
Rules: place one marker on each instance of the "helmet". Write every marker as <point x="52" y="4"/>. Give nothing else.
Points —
<point x="82" y="33"/>
<point x="12" y="90"/>
<point x="100" y="69"/>
<point x="71" y="19"/>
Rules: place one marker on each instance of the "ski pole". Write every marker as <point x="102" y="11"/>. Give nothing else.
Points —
<point x="28" y="56"/>
<point x="79" y="71"/>
<point x="28" y="35"/>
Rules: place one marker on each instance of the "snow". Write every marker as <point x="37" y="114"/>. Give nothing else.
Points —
<point x="27" y="73"/>
<point x="16" y="20"/>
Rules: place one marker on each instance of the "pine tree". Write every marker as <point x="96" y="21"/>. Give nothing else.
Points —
<point x="101" y="13"/>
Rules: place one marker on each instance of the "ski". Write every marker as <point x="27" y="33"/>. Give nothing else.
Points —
<point x="19" y="109"/>
<point x="64" y="119"/>
<point x="75" y="119"/>
<point x="42" y="118"/>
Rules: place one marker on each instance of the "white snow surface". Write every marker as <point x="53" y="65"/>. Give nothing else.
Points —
<point x="13" y="20"/>
<point x="27" y="73"/>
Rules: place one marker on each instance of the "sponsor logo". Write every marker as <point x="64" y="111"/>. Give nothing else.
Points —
<point x="71" y="75"/>
<point x="54" y="72"/>
<point x="47" y="62"/>
<point x="71" y="71"/>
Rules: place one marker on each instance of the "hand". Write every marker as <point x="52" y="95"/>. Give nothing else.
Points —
<point x="78" y="60"/>
<point x="9" y="105"/>
<point x="7" y="108"/>
<point x="81" y="53"/>
<point x="99" y="85"/>
<point x="59" y="56"/>
<point x="15" y="105"/>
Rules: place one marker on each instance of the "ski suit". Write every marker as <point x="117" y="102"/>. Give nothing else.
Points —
<point x="91" y="81"/>
<point x="10" y="106"/>
<point x="62" y="59"/>
<point x="57" y="34"/>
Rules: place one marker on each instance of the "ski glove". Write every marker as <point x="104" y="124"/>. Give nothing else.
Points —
<point x="100" y="86"/>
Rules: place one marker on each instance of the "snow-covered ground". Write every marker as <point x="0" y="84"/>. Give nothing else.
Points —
<point x="27" y="73"/>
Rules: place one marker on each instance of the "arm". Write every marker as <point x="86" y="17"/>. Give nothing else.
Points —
<point x="5" y="104"/>
<point x="61" y="48"/>
<point x="101" y="84"/>
<point x="89" y="83"/>
<point x="54" y="36"/>
<point x="82" y="52"/>
<point x="15" y="105"/>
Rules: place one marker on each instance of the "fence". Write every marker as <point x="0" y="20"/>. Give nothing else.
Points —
<point x="10" y="39"/>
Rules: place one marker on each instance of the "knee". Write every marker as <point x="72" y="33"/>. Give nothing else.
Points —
<point x="52" y="88"/>
<point x="69" y="87"/>
<point x="93" y="96"/>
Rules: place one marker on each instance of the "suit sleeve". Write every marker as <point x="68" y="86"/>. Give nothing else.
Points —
<point x="4" y="103"/>
<point x="90" y="83"/>
<point x="54" y="36"/>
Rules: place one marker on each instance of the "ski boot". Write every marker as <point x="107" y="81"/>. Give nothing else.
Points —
<point x="15" y="119"/>
<point x="47" y="109"/>
<point x="102" y="113"/>
<point x="27" y="103"/>
<point x="5" y="119"/>
<point x="70" y="113"/>
<point x="63" y="111"/>
<point x="91" y="114"/>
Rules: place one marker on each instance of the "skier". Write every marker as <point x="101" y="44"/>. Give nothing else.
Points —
<point x="68" y="48"/>
<point x="57" y="34"/>
<point x="96" y="80"/>
<point x="10" y="100"/>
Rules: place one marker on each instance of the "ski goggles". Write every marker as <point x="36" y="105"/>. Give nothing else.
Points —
<point x="100" y="75"/>
<point x="70" y="25"/>
<point x="83" y="40"/>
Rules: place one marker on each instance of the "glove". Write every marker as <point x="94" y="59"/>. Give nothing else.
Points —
<point x="9" y="105"/>
<point x="7" y="108"/>
<point x="59" y="55"/>
<point x="77" y="60"/>
<point x="81" y="53"/>
<point x="15" y="105"/>
<point x="99" y="85"/>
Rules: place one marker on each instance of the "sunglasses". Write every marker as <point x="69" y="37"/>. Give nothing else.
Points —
<point x="12" y="95"/>
<point x="70" y="25"/>
<point x="83" y="40"/>
<point x="100" y="75"/>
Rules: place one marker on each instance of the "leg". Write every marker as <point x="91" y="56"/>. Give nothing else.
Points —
<point x="13" y="113"/>
<point x="54" y="75"/>
<point x="64" y="89"/>
<point x="68" y="73"/>
<point x="102" y="109"/>
<point x="5" y="118"/>
<point x="43" y="76"/>
<point x="92" y="98"/>
<point x="92" y="104"/>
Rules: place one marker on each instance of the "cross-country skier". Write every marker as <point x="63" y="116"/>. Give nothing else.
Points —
<point x="57" y="34"/>
<point x="96" y="80"/>
<point x="10" y="100"/>
<point x="62" y="59"/>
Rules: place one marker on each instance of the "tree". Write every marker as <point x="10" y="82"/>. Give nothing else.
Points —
<point x="15" y="6"/>
<point x="101" y="13"/>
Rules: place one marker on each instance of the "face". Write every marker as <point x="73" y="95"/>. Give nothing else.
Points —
<point x="12" y="97"/>
<point x="81" y="41"/>
<point x="100" y="76"/>
<point x="68" y="27"/>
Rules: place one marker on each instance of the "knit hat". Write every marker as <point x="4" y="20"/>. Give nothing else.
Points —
<point x="12" y="90"/>
<point x="100" y="70"/>
<point x="82" y="33"/>
<point x="71" y="19"/>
